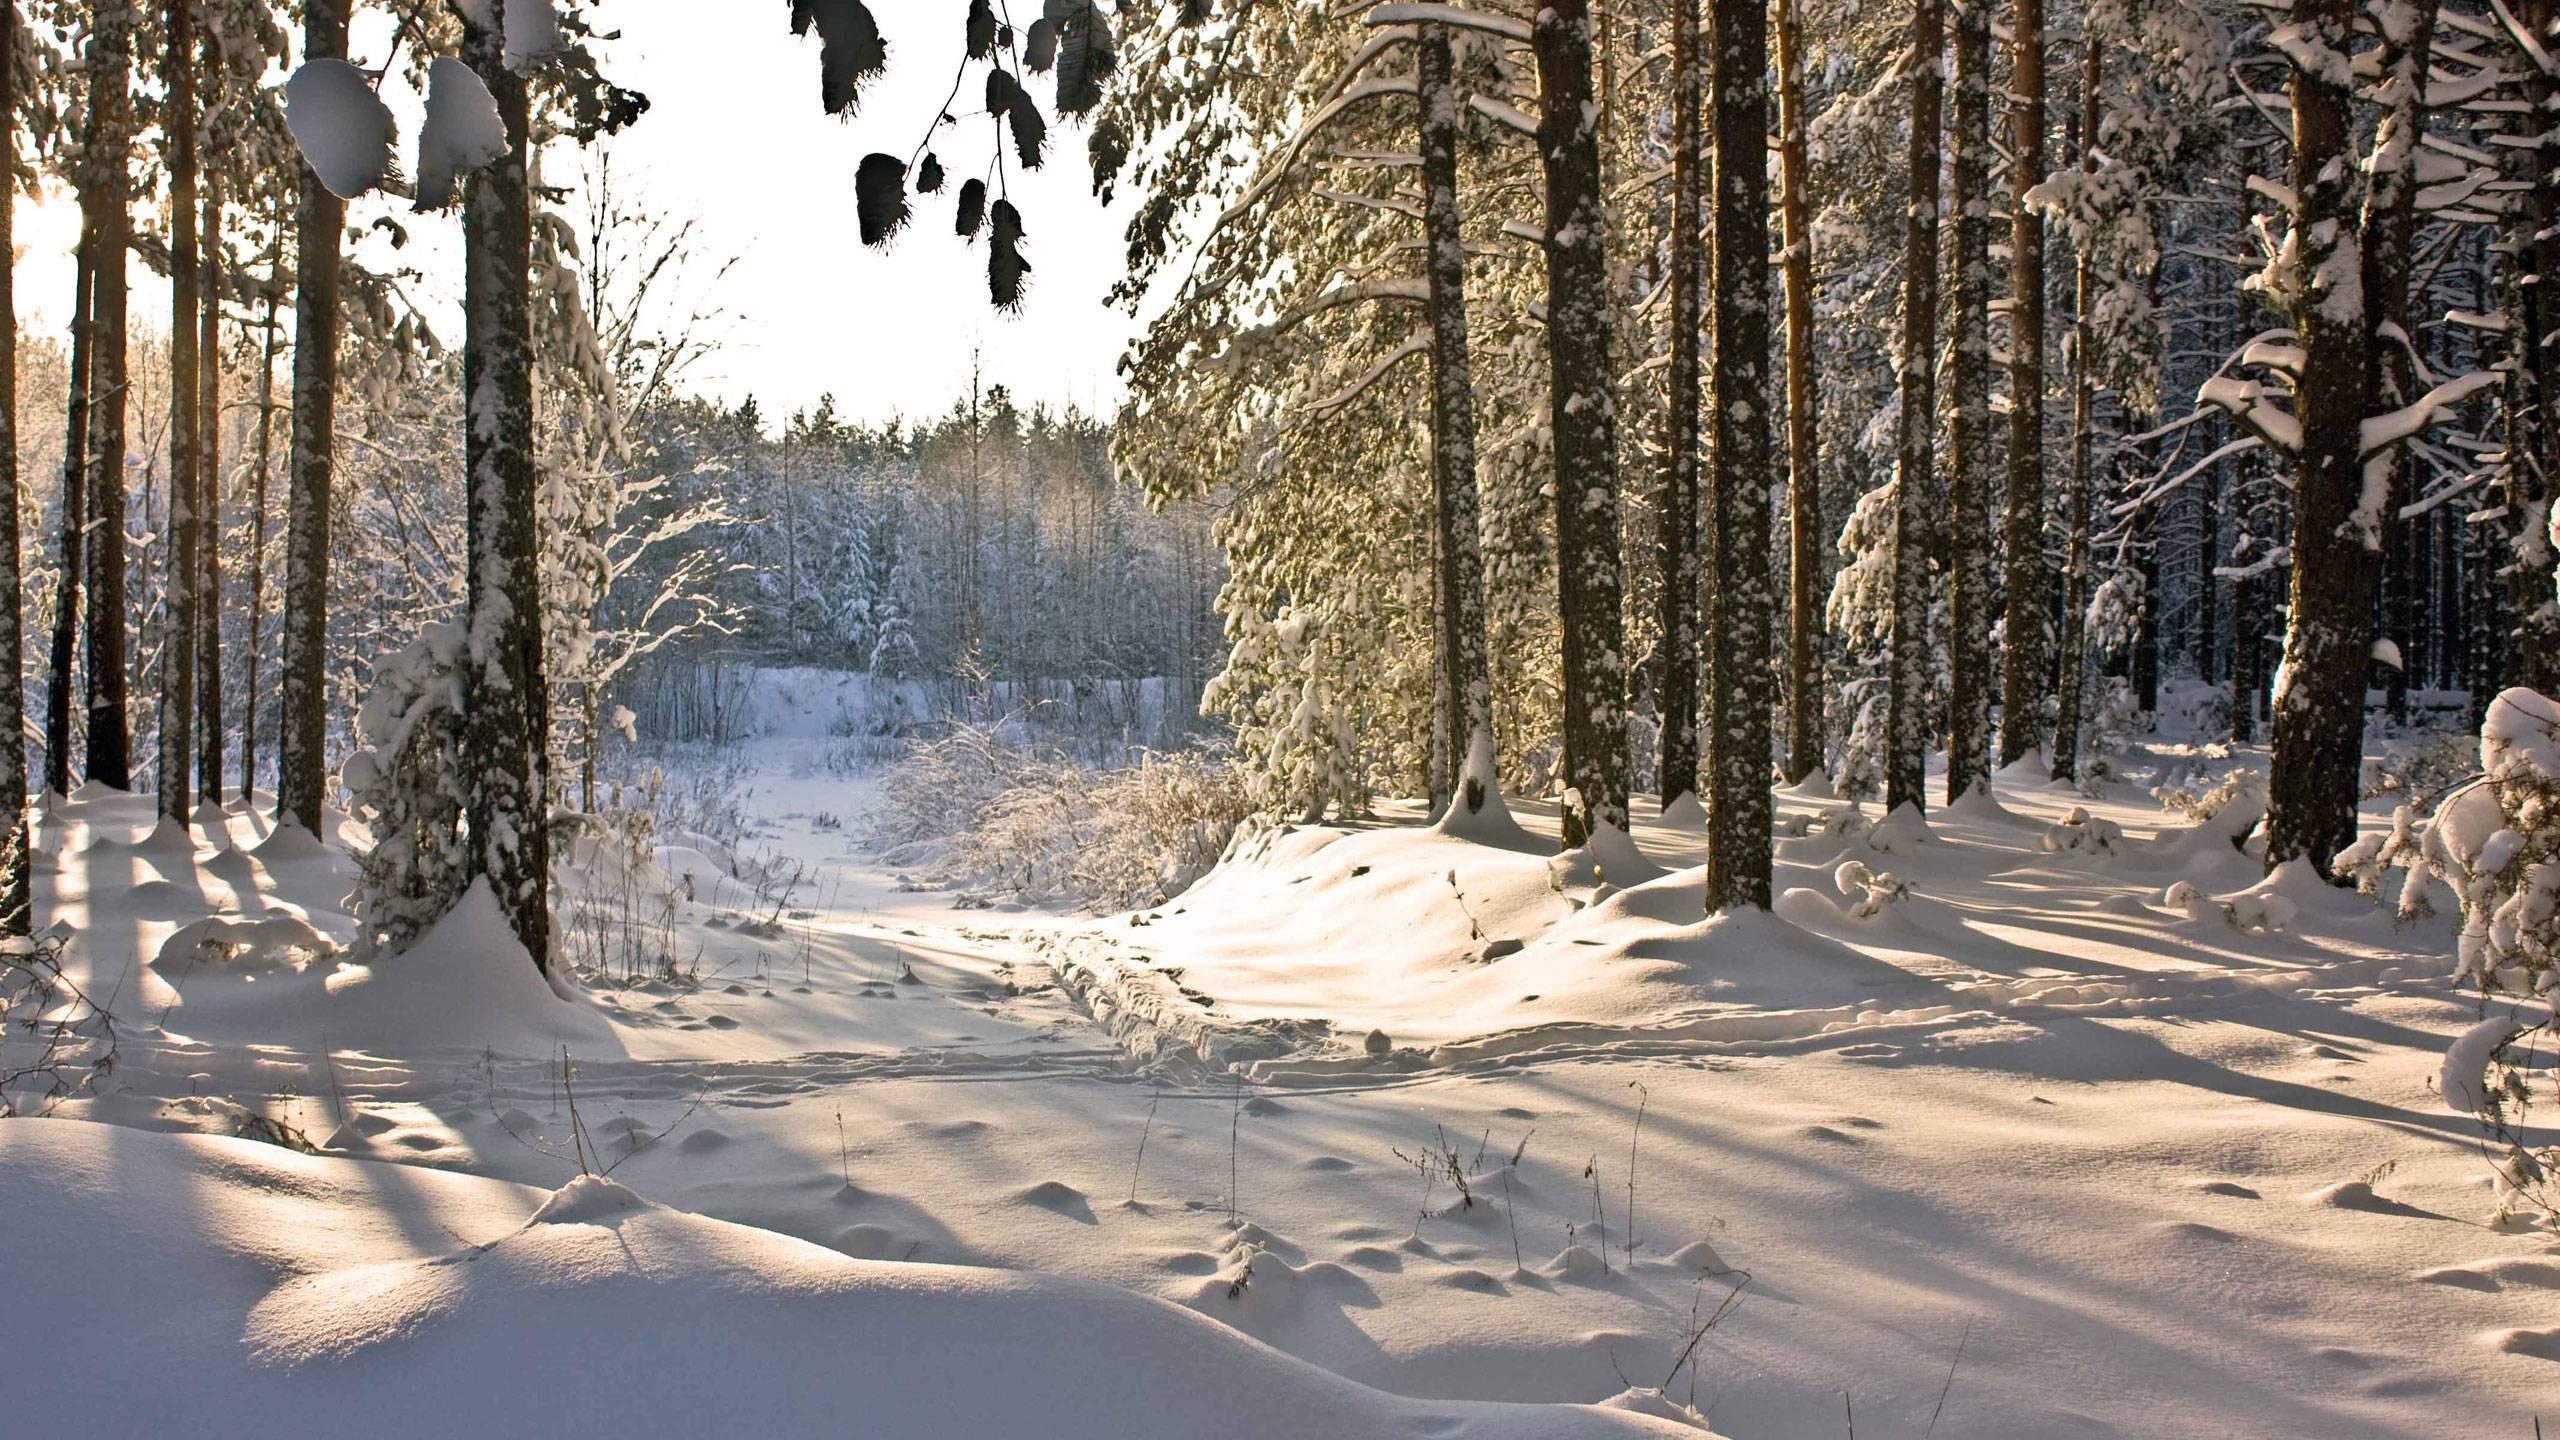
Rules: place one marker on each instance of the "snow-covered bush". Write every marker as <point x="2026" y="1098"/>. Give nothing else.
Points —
<point x="2081" y="833"/>
<point x="972" y="811"/>
<point x="2421" y="771"/>
<point x="408" y="790"/>
<point x="2496" y="845"/>
<point x="1867" y="892"/>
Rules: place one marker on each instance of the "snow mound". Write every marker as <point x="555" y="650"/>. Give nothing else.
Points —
<point x="343" y="128"/>
<point x="283" y="1295"/>
<point x="467" y="982"/>
<point x="463" y="131"/>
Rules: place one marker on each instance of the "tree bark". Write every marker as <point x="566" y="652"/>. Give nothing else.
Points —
<point x="2532" y="249"/>
<point x="1907" y="714"/>
<point x="70" y="587"/>
<point x="1583" y="416"/>
<point x="1806" y="537"/>
<point x="186" y="441"/>
<point x="1678" y="535"/>
<point x="1969" y="430"/>
<point x="209" y="487"/>
<point x="1746" y="688"/>
<point x="506" y="712"/>
<point x="2026" y="668"/>
<point x="16" y="864"/>
<point x="2072" y="673"/>
<point x="2319" y="700"/>
<point x="110" y="757"/>
<point x="302" y="774"/>
<point x="1468" y="716"/>
<point x="257" y="604"/>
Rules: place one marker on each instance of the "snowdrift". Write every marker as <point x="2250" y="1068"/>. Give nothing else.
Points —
<point x="201" y="1286"/>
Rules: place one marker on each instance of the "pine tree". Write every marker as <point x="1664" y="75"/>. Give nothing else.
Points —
<point x="1583" y="415"/>
<point x="2028" y="584"/>
<point x="109" y="146"/>
<point x="1678" y="508"/>
<point x="506" y="709"/>
<point x="1969" y="430"/>
<point x="1907" y="724"/>
<point x="1807" y="540"/>
<point x="16" y="862"/>
<point x="2072" y="671"/>
<point x="186" y="423"/>
<point x="319" y="216"/>
<point x="1738" y="855"/>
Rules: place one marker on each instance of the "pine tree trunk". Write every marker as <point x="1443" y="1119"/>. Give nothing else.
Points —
<point x="186" y="442"/>
<point x="1907" y="723"/>
<point x="257" y="604"/>
<point x="1468" y="714"/>
<point x="1806" y="538"/>
<point x="1678" y="535"/>
<point x="2071" y="674"/>
<point x="2319" y="701"/>
<point x="2531" y="246"/>
<point x="302" y="772"/>
<point x="2026" y="668"/>
<point x="70" y="587"/>
<point x="16" y="864"/>
<point x="1584" y="418"/>
<point x="505" y="715"/>
<point x="110" y="757"/>
<point x="2407" y="29"/>
<point x="208" y="558"/>
<point x="1746" y="620"/>
<point x="1969" y="430"/>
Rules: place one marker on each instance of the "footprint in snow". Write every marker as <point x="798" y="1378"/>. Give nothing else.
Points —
<point x="1326" y="1163"/>
<point x="2540" y="1344"/>
<point x="2231" y="1188"/>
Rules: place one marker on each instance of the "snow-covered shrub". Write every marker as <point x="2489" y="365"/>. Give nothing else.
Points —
<point x="56" y="1043"/>
<point x="1861" y="772"/>
<point x="408" y="790"/>
<point x="2421" y="771"/>
<point x="2081" y="833"/>
<point x="2496" y="845"/>
<point x="1867" y="891"/>
<point x="972" y="811"/>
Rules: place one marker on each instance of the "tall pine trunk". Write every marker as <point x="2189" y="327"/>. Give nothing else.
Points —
<point x="2530" y="246"/>
<point x="1746" y="616"/>
<point x="1678" y="535"/>
<point x="2025" y="669"/>
<point x="1907" y="715"/>
<point x="208" y="557"/>
<point x="16" y="864"/>
<point x="302" y="774"/>
<point x="70" y="586"/>
<point x="1583" y="416"/>
<point x="257" y="602"/>
<point x="186" y="442"/>
<point x="1806" y="538"/>
<point x="2407" y="29"/>
<point x="1468" y="716"/>
<point x="2319" y="701"/>
<point x="1969" y="433"/>
<point x="110" y="757"/>
<point x="2071" y="676"/>
<point x="505" y="714"/>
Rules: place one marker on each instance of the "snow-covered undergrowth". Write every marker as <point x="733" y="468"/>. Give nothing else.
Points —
<point x="980" y="812"/>
<point x="2122" y="1137"/>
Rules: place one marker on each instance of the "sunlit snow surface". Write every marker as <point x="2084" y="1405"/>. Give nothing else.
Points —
<point x="2157" y="1172"/>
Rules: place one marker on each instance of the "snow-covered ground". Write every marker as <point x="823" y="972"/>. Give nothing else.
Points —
<point x="2085" y="1133"/>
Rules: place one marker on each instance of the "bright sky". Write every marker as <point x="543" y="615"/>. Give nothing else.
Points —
<point x="735" y="138"/>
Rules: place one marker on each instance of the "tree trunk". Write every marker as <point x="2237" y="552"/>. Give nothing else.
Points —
<point x="209" y="486"/>
<point x="1681" y="760"/>
<point x="257" y="605"/>
<point x="186" y="442"/>
<point x="1468" y="714"/>
<point x="302" y="773"/>
<point x="1746" y="688"/>
<point x="2319" y="701"/>
<point x="16" y="864"/>
<point x="505" y="713"/>
<point x="110" y="758"/>
<point x="1907" y="715"/>
<point x="2407" y="29"/>
<point x="2029" y="599"/>
<point x="70" y="587"/>
<point x="2532" y="251"/>
<point x="1969" y="430"/>
<point x="1584" y="418"/>
<point x="1806" y="538"/>
<point x="2071" y="676"/>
